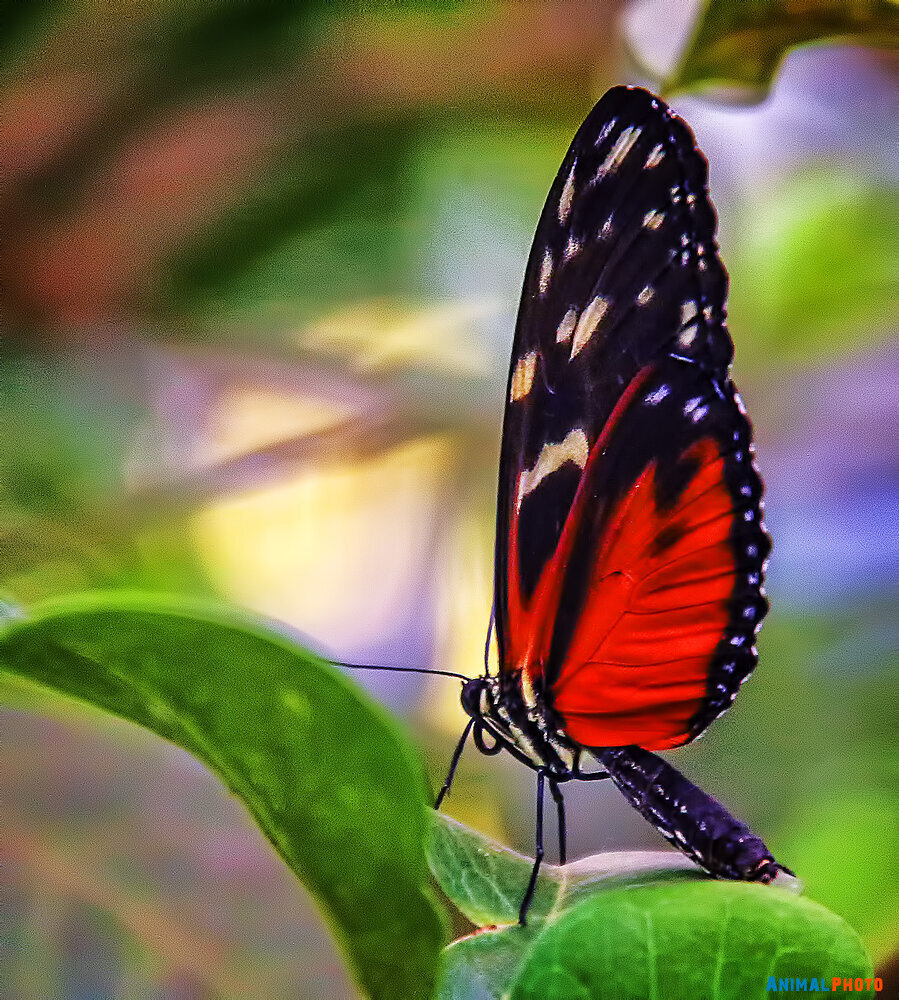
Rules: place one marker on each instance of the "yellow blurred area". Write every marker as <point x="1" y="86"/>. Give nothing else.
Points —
<point x="463" y="615"/>
<point x="381" y="335"/>
<point x="249" y="419"/>
<point x="336" y="550"/>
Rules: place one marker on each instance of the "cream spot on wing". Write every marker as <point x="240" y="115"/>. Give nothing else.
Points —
<point x="606" y="231"/>
<point x="523" y="376"/>
<point x="691" y="405"/>
<point x="567" y="197"/>
<point x="546" y="270"/>
<point x="687" y="312"/>
<point x="653" y="219"/>
<point x="687" y="337"/>
<point x="645" y="295"/>
<point x="623" y="145"/>
<point x="571" y="248"/>
<point x="589" y="320"/>
<point x="606" y="129"/>
<point x="574" y="448"/>
<point x="655" y="156"/>
<point x="697" y="414"/>
<point x="566" y="327"/>
<point x="657" y="395"/>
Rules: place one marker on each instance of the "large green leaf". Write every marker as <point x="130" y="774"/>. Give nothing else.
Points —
<point x="483" y="965"/>
<point x="720" y="940"/>
<point x="626" y="925"/>
<point x="325" y="773"/>
<point x="744" y="43"/>
<point x="487" y="880"/>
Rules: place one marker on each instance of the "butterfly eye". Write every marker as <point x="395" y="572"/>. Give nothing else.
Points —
<point x="474" y="697"/>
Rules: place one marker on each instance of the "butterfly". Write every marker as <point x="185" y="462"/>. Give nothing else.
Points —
<point x="630" y="547"/>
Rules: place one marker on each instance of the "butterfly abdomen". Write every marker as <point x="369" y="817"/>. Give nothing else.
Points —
<point x="693" y="821"/>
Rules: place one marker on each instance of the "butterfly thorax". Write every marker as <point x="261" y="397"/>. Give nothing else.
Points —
<point x="523" y="726"/>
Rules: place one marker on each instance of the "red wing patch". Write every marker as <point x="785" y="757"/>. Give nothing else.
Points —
<point x="639" y="628"/>
<point x="533" y="611"/>
<point x="637" y="667"/>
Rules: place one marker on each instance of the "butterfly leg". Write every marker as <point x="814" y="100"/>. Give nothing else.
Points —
<point x="583" y="775"/>
<point x="454" y="763"/>
<point x="556" y="793"/>
<point x="538" y="853"/>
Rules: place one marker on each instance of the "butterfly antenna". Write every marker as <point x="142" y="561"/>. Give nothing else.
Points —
<point x="400" y="670"/>
<point x="489" y="637"/>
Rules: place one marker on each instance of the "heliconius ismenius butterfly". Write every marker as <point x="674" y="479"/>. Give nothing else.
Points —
<point x="630" y="549"/>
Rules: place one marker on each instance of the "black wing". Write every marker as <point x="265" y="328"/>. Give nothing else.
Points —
<point x="620" y="412"/>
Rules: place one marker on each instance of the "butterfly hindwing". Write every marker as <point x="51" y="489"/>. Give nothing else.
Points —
<point x="630" y="550"/>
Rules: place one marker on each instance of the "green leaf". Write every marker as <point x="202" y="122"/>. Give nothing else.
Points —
<point x="720" y="940"/>
<point x="483" y="878"/>
<point x="482" y="965"/>
<point x="626" y="925"/>
<point x="744" y="43"/>
<point x="487" y="880"/>
<point x="324" y="772"/>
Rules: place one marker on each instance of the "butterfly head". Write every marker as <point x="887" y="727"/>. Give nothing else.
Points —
<point x="514" y="726"/>
<point x="476" y="697"/>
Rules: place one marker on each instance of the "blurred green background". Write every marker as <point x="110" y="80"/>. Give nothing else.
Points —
<point x="259" y="267"/>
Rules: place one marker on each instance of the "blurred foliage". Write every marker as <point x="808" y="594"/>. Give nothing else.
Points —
<point x="66" y="525"/>
<point x="375" y="211"/>
<point x="744" y="43"/>
<point x="179" y="54"/>
<point x="22" y="25"/>
<point x="346" y="188"/>
<point x="818" y="268"/>
<point x="273" y="730"/>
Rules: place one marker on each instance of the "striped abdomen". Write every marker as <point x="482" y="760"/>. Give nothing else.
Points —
<point x="690" y="819"/>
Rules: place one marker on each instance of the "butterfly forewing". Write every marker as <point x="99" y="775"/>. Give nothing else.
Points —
<point x="630" y="549"/>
